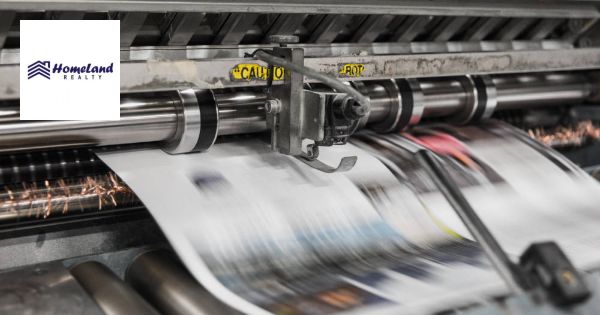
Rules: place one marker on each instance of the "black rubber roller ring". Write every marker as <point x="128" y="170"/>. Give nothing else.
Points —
<point x="209" y="120"/>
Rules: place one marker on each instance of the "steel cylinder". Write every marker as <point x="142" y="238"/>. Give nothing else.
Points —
<point x="241" y="112"/>
<point x="535" y="90"/>
<point x="163" y="281"/>
<point x="154" y="117"/>
<point x="144" y="118"/>
<point x="442" y="97"/>
<point x="112" y="295"/>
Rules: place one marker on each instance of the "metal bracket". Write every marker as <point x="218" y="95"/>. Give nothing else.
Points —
<point x="295" y="114"/>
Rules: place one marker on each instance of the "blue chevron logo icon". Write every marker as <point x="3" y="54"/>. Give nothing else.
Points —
<point x="41" y="68"/>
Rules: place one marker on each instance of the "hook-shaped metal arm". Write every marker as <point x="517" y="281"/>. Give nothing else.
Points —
<point x="310" y="159"/>
<point x="346" y="164"/>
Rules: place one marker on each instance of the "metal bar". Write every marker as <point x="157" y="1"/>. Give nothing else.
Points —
<point x="112" y="295"/>
<point x="531" y="91"/>
<point x="286" y="24"/>
<point x="214" y="74"/>
<point x="543" y="29"/>
<point x="428" y="65"/>
<point x="483" y="28"/>
<point x="153" y="118"/>
<point x="411" y="28"/>
<point x="448" y="28"/>
<point x="6" y="20"/>
<point x="163" y="281"/>
<point x="181" y="29"/>
<point x="442" y="97"/>
<point x="142" y="120"/>
<point x="469" y="217"/>
<point x="131" y="22"/>
<point x="65" y="15"/>
<point x="234" y="29"/>
<point x="148" y="118"/>
<point x="241" y="112"/>
<point x="199" y="52"/>
<point x="525" y="8"/>
<point x="329" y="28"/>
<point x="371" y="28"/>
<point x="514" y="28"/>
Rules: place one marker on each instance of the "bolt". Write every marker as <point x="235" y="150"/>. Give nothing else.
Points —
<point x="273" y="106"/>
<point x="283" y="40"/>
<point x="352" y="109"/>
<point x="358" y="110"/>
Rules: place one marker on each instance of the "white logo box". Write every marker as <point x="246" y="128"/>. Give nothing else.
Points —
<point x="70" y="70"/>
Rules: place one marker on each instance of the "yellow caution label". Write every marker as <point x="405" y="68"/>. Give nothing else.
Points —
<point x="352" y="70"/>
<point x="253" y="71"/>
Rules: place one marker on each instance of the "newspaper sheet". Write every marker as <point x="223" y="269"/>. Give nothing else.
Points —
<point x="266" y="234"/>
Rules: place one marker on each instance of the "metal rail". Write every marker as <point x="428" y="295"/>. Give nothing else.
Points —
<point x="161" y="74"/>
<point x="455" y="8"/>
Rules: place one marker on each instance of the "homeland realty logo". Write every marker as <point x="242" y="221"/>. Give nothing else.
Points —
<point x="41" y="68"/>
<point x="86" y="72"/>
<point x="70" y="70"/>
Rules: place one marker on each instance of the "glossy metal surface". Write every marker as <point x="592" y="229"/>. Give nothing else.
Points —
<point x="554" y="89"/>
<point x="154" y="117"/>
<point x="188" y="124"/>
<point x="44" y="289"/>
<point x="241" y="112"/>
<point x="442" y="97"/>
<point x="143" y="119"/>
<point x="111" y="294"/>
<point x="163" y="281"/>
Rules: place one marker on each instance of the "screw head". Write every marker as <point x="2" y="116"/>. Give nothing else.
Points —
<point x="283" y="39"/>
<point x="273" y="106"/>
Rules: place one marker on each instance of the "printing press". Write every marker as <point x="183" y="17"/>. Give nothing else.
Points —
<point x="404" y="80"/>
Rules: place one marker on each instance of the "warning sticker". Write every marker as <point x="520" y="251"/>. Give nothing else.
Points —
<point x="352" y="70"/>
<point x="253" y="71"/>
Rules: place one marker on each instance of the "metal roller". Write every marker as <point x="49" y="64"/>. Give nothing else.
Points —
<point x="144" y="118"/>
<point x="442" y="97"/>
<point x="111" y="294"/>
<point x="241" y="112"/>
<point x="163" y="281"/>
<point x="534" y="90"/>
<point x="189" y="120"/>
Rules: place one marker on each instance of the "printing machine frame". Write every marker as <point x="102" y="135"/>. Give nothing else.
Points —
<point x="527" y="62"/>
